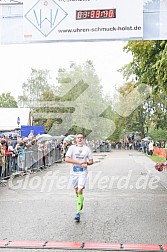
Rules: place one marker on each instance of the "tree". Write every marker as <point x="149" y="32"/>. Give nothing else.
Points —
<point x="81" y="90"/>
<point x="149" y="63"/>
<point x="76" y="104"/>
<point x="158" y="135"/>
<point x="39" y="95"/>
<point x="34" y="88"/>
<point x="131" y="112"/>
<point x="47" y="112"/>
<point x="157" y="107"/>
<point x="7" y="101"/>
<point x="149" y="66"/>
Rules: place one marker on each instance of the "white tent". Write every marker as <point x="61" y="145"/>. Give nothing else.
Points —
<point x="11" y="118"/>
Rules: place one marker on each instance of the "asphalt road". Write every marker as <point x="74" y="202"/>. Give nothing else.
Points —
<point x="125" y="202"/>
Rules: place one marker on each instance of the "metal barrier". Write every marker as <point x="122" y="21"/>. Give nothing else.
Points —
<point x="100" y="147"/>
<point x="28" y="161"/>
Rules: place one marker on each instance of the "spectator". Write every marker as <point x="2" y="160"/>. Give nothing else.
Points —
<point x="150" y="148"/>
<point x="2" y="161"/>
<point x="14" y="141"/>
<point x="162" y="144"/>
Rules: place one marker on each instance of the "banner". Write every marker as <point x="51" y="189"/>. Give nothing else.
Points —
<point x="73" y="20"/>
<point x="33" y="21"/>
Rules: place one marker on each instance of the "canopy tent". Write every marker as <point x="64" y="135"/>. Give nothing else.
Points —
<point x="44" y="137"/>
<point x="12" y="118"/>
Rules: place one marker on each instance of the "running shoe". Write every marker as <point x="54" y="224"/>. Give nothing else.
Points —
<point x="77" y="217"/>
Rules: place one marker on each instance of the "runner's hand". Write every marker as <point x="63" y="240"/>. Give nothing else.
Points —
<point x="84" y="165"/>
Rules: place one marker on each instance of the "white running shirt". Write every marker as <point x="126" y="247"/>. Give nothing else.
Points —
<point x="79" y="153"/>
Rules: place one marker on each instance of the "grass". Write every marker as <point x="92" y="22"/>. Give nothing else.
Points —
<point x="157" y="159"/>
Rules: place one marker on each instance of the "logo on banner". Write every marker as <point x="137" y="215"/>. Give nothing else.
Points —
<point x="46" y="16"/>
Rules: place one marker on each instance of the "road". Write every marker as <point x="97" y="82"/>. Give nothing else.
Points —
<point x="125" y="202"/>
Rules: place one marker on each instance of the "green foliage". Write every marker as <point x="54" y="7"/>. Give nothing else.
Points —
<point x="75" y="129"/>
<point x="33" y="89"/>
<point x="81" y="86"/>
<point x="7" y="101"/>
<point x="161" y="66"/>
<point x="149" y="66"/>
<point x="76" y="104"/>
<point x="117" y="135"/>
<point x="40" y="96"/>
<point x="156" y="109"/>
<point x="157" y="159"/>
<point x="158" y="134"/>
<point x="46" y="114"/>
<point x="136" y="120"/>
<point x="149" y="63"/>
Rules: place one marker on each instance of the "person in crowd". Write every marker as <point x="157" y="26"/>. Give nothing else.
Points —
<point x="162" y="144"/>
<point x="14" y="140"/>
<point x="23" y="153"/>
<point x="41" y="157"/>
<point x="9" y="156"/>
<point x="33" y="154"/>
<point x="20" y="150"/>
<point x="64" y="149"/>
<point x="130" y="145"/>
<point x="31" y="134"/>
<point x="2" y="161"/>
<point x="150" y="148"/>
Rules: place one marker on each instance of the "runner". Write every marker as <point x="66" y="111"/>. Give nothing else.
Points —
<point x="80" y="156"/>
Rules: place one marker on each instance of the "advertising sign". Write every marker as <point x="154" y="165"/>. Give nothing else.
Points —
<point x="73" y="20"/>
<point x="33" y="21"/>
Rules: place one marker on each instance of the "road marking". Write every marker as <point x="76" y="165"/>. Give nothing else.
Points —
<point x="82" y="246"/>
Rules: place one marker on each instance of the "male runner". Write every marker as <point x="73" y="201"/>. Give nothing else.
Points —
<point x="80" y="156"/>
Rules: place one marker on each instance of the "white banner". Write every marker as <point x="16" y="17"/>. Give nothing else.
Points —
<point x="78" y="20"/>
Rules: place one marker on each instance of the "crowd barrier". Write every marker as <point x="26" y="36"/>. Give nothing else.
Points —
<point x="29" y="161"/>
<point x="37" y="159"/>
<point x="104" y="147"/>
<point x="162" y="152"/>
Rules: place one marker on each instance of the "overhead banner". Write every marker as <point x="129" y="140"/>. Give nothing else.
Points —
<point x="82" y="20"/>
<point x="78" y="20"/>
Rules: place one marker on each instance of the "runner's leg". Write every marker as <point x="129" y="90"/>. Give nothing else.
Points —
<point x="80" y="200"/>
<point x="81" y="186"/>
<point x="76" y="191"/>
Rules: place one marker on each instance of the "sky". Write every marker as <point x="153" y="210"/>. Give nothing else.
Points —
<point x="16" y="61"/>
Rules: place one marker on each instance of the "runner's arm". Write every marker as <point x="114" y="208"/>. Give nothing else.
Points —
<point x="73" y="161"/>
